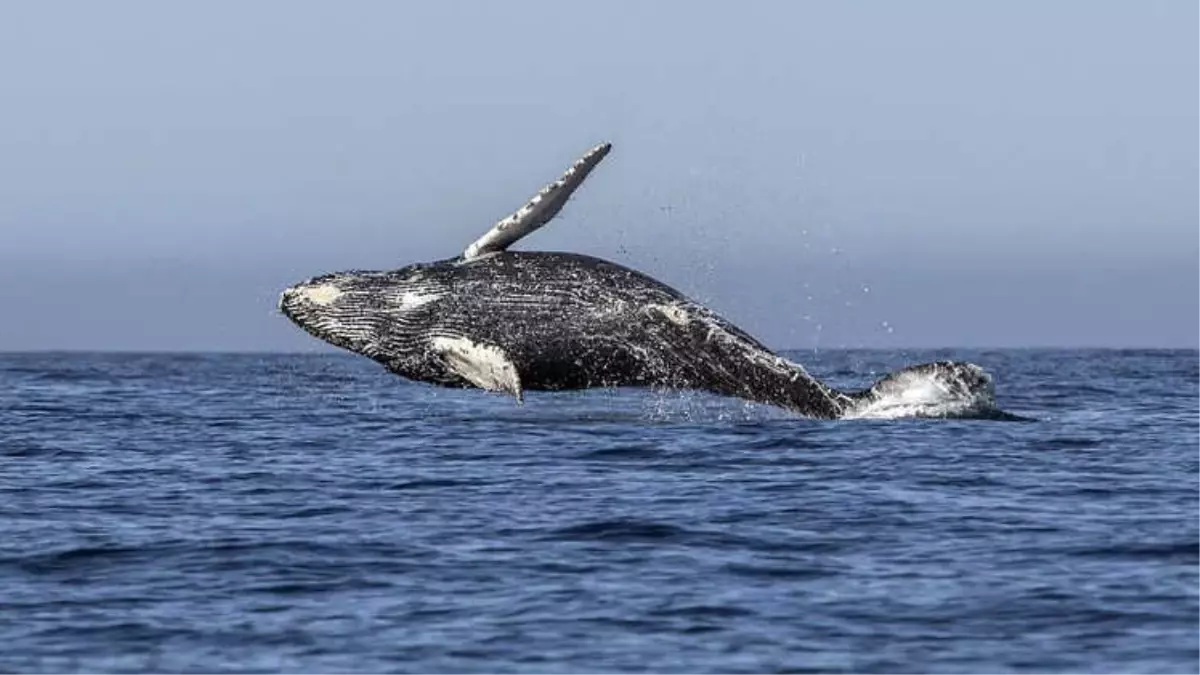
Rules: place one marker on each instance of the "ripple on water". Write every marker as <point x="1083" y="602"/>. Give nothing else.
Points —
<point x="313" y="513"/>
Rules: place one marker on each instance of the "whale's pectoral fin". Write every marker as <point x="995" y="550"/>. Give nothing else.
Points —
<point x="540" y="209"/>
<point x="483" y="365"/>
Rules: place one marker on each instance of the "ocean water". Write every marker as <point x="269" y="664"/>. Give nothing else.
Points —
<point x="314" y="513"/>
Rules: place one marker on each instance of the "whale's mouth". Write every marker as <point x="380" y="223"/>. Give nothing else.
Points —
<point x="938" y="389"/>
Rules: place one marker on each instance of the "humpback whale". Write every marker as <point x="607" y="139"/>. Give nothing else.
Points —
<point x="517" y="321"/>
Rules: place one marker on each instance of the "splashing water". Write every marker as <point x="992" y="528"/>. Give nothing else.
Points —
<point x="938" y="389"/>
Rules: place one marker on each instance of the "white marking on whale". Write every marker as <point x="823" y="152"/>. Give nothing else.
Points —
<point x="673" y="313"/>
<point x="485" y="366"/>
<point x="322" y="295"/>
<point x="413" y="299"/>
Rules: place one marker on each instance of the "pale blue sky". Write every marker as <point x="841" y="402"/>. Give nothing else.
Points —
<point x="972" y="174"/>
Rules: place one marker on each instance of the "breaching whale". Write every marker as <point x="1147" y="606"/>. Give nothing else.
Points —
<point x="516" y="321"/>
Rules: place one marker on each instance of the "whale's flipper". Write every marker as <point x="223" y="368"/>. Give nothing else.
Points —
<point x="538" y="211"/>
<point x="483" y="365"/>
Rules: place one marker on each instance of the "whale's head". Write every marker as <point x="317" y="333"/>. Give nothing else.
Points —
<point x="359" y="311"/>
<point x="332" y="307"/>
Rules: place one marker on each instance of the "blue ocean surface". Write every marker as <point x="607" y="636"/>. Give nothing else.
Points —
<point x="314" y="513"/>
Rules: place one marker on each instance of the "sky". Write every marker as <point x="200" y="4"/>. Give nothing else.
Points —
<point x="825" y="174"/>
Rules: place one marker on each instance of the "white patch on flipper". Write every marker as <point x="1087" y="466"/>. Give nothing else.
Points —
<point x="485" y="366"/>
<point x="321" y="295"/>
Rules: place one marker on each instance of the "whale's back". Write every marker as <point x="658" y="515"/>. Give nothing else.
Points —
<point x="570" y="320"/>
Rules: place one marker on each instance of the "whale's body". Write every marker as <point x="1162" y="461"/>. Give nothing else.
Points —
<point x="549" y="321"/>
<point x="515" y="321"/>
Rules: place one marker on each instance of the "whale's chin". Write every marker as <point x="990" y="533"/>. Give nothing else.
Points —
<point x="938" y="389"/>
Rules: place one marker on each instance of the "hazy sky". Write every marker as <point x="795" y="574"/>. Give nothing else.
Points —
<point x="823" y="173"/>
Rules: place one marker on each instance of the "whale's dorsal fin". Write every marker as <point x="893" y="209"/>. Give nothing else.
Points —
<point x="540" y="209"/>
<point x="483" y="365"/>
